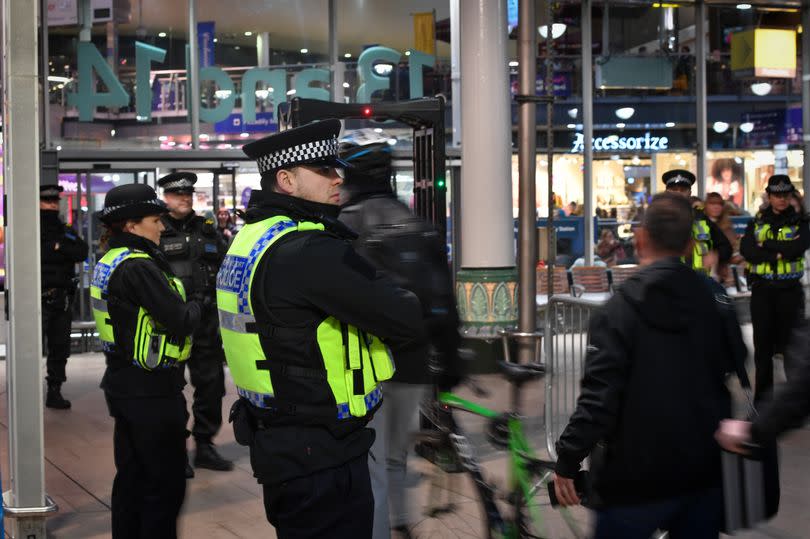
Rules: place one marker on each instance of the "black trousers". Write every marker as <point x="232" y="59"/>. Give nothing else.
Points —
<point x="56" y="321"/>
<point x="150" y="456"/>
<point x="335" y="503"/>
<point x="774" y="313"/>
<point x="205" y="368"/>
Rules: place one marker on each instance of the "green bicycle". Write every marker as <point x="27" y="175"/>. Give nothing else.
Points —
<point x="529" y="475"/>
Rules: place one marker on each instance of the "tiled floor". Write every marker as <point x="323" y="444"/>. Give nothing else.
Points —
<point x="79" y="471"/>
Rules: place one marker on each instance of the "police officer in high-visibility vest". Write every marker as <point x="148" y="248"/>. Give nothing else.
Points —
<point x="773" y="247"/>
<point x="195" y="250"/>
<point x="307" y="325"/>
<point x="710" y="246"/>
<point x="144" y="324"/>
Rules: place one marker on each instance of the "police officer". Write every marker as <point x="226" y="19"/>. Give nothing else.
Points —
<point x="144" y="325"/>
<point x="773" y="246"/>
<point x="61" y="249"/>
<point x="302" y="316"/>
<point x="195" y="250"/>
<point x="709" y="245"/>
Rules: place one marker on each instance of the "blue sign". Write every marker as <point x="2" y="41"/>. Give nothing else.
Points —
<point x="234" y="124"/>
<point x="205" y="43"/>
<point x="571" y="230"/>
<point x="740" y="222"/>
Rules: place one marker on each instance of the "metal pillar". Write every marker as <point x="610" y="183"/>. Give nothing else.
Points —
<point x="527" y="191"/>
<point x="587" y="127"/>
<point x="487" y="137"/>
<point x="26" y="502"/>
<point x="263" y="49"/>
<point x="193" y="104"/>
<point x="806" y="101"/>
<point x="45" y="70"/>
<point x="700" y="79"/>
<point x="85" y="19"/>
<point x="455" y="71"/>
<point x="335" y="67"/>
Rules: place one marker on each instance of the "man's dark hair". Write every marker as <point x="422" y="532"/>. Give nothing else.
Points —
<point x="668" y="222"/>
<point x="268" y="180"/>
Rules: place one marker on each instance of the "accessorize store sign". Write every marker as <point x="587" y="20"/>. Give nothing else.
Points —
<point x="92" y="65"/>
<point x="645" y="143"/>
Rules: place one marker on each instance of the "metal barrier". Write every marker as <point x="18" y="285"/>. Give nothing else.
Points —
<point x="567" y="337"/>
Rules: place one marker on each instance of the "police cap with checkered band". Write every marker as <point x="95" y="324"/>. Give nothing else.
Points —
<point x="780" y="184"/>
<point x="679" y="177"/>
<point x="50" y="192"/>
<point x="131" y="201"/>
<point x="178" y="182"/>
<point x="315" y="143"/>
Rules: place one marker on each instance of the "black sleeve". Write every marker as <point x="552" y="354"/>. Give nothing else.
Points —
<point x="72" y="246"/>
<point x="148" y="288"/>
<point x="792" y="249"/>
<point x="607" y="364"/>
<point x="791" y="403"/>
<point x="752" y="252"/>
<point x="345" y="285"/>
<point x="720" y="242"/>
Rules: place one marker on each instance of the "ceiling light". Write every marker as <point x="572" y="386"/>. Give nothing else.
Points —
<point x="738" y="160"/>
<point x="625" y="113"/>
<point x="304" y="51"/>
<point x="572" y="113"/>
<point x="747" y="127"/>
<point x="244" y="135"/>
<point x="291" y="92"/>
<point x="162" y="34"/>
<point x="163" y="138"/>
<point x="620" y="125"/>
<point x="720" y="127"/>
<point x="392" y="142"/>
<point x="63" y="80"/>
<point x="614" y="157"/>
<point x="222" y="94"/>
<point x="347" y="55"/>
<point x="112" y="132"/>
<point x="204" y="136"/>
<point x="262" y="94"/>
<point x="248" y="33"/>
<point x="345" y="84"/>
<point x="513" y="63"/>
<point x="761" y="88"/>
<point x="557" y="29"/>
<point x="407" y="53"/>
<point x="670" y="124"/>
<point x="635" y="160"/>
<point x="216" y="39"/>
<point x="571" y="126"/>
<point x="743" y="6"/>
<point x="383" y="69"/>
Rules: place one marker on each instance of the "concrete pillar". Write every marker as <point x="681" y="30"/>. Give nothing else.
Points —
<point x="700" y="80"/>
<point x="486" y="284"/>
<point x="336" y="67"/>
<point x="806" y="101"/>
<point x="455" y="71"/>
<point x="263" y="49"/>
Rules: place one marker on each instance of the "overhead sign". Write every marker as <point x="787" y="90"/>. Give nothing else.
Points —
<point x="764" y="52"/>
<point x="205" y="43"/>
<point x="66" y="12"/>
<point x="424" y="32"/>
<point x="235" y="124"/>
<point x="645" y="143"/>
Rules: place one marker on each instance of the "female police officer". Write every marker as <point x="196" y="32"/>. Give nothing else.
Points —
<point x="144" y="324"/>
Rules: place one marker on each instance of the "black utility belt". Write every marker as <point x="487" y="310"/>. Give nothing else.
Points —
<point x="53" y="292"/>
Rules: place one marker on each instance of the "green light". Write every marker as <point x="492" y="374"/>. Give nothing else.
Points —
<point x="440" y="183"/>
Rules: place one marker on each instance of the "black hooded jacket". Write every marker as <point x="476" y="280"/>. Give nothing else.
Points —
<point x="61" y="249"/>
<point x="653" y="390"/>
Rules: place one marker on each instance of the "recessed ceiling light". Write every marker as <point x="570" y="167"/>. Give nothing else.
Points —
<point x="572" y="113"/>
<point x="236" y="47"/>
<point x="407" y="53"/>
<point x="670" y="124"/>
<point x="720" y="127"/>
<point x="345" y="84"/>
<point x="743" y="6"/>
<point x="614" y="157"/>
<point x="625" y="113"/>
<point x="761" y="88"/>
<point x="248" y="33"/>
<point x="571" y="126"/>
<point x="747" y="127"/>
<point x="513" y="63"/>
<point x="216" y="40"/>
<point x="161" y="34"/>
<point x="347" y="55"/>
<point x="304" y="51"/>
<point x="557" y="29"/>
<point x="244" y="135"/>
<point x="620" y="125"/>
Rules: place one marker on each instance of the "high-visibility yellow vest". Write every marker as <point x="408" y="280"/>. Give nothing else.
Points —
<point x="352" y="363"/>
<point x="782" y="269"/>
<point x="701" y="244"/>
<point x="153" y="348"/>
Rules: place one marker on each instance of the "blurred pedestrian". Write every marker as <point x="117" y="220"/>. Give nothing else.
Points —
<point x="773" y="246"/>
<point x="226" y="225"/>
<point x="144" y="324"/>
<point x="609" y="249"/>
<point x="719" y="212"/>
<point x="61" y="249"/>
<point x="653" y="392"/>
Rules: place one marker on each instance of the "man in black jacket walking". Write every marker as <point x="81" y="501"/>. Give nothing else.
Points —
<point x="653" y="391"/>
<point x="413" y="254"/>
<point x="61" y="249"/>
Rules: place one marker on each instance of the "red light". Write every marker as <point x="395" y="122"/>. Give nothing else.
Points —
<point x="366" y="111"/>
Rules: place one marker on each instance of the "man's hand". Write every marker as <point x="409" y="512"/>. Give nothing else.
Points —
<point x="733" y="434"/>
<point x="710" y="260"/>
<point x="565" y="490"/>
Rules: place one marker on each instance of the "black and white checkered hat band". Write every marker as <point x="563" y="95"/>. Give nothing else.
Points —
<point x="302" y="153"/>
<point x="49" y="193"/>
<point x="107" y="211"/>
<point x="782" y="187"/>
<point x="179" y="184"/>
<point x="678" y="179"/>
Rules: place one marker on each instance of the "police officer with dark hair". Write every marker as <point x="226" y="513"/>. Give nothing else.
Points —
<point x="195" y="250"/>
<point x="710" y="246"/>
<point x="61" y="249"/>
<point x="144" y="324"/>
<point x="773" y="246"/>
<point x="306" y="324"/>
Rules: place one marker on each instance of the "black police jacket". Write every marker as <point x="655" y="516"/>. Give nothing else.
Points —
<point x="61" y="249"/>
<point x="409" y="251"/>
<point x="195" y="251"/>
<point x="305" y="278"/>
<point x="141" y="282"/>
<point x="754" y="253"/>
<point x="653" y="390"/>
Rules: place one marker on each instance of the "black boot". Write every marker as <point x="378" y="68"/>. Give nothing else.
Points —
<point x="207" y="457"/>
<point x="54" y="398"/>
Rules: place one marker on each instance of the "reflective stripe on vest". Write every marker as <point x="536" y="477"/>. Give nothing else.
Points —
<point x="783" y="269"/>
<point x="352" y="362"/>
<point x="153" y="348"/>
<point x="702" y="236"/>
